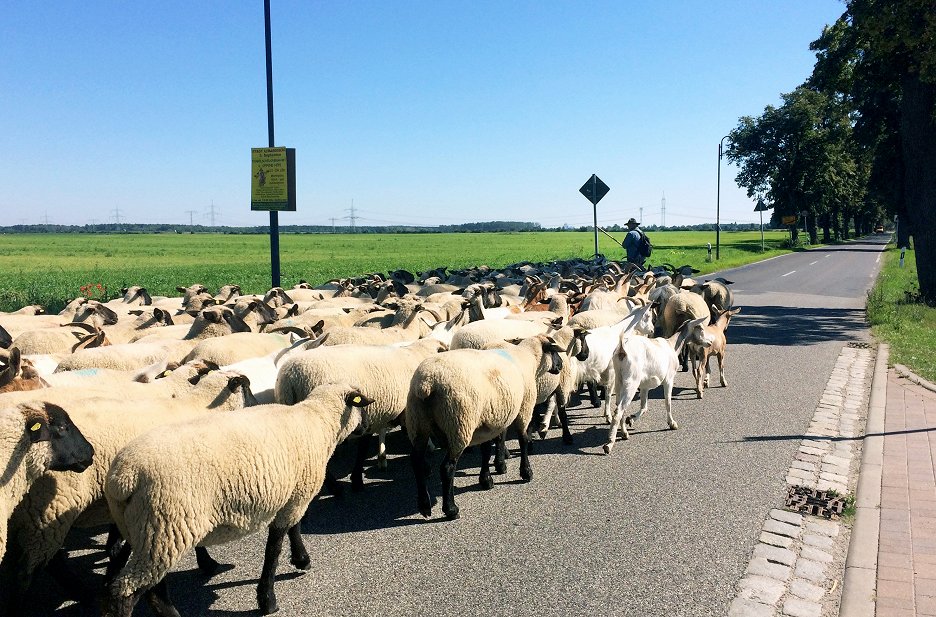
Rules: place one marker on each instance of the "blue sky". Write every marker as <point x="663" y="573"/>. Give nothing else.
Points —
<point x="418" y="113"/>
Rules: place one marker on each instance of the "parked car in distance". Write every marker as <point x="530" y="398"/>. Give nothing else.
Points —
<point x="879" y="229"/>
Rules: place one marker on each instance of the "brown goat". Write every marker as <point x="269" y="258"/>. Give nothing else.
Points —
<point x="19" y="374"/>
<point x="714" y="333"/>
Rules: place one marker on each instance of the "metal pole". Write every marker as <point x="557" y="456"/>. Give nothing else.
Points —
<point x="718" y="203"/>
<point x="274" y="215"/>
<point x="594" y="180"/>
<point x="762" y="231"/>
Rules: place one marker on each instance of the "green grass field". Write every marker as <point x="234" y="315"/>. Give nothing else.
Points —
<point x="899" y="318"/>
<point x="50" y="269"/>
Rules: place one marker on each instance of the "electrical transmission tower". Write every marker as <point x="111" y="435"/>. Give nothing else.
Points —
<point x="115" y="213"/>
<point x="333" y="219"/>
<point x="663" y="208"/>
<point x="351" y="217"/>
<point x="191" y="213"/>
<point x="212" y="213"/>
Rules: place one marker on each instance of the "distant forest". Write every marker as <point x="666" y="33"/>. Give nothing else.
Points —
<point x="490" y="226"/>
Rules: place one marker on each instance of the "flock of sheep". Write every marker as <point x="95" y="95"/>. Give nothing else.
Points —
<point x="260" y="390"/>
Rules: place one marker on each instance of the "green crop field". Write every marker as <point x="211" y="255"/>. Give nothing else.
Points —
<point x="50" y="269"/>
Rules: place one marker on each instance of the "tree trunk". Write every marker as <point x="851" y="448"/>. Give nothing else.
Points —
<point x="918" y="140"/>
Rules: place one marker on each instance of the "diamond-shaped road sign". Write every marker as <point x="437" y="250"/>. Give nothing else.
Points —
<point x="594" y="189"/>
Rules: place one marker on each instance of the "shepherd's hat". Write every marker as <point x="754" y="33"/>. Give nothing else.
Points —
<point x="632" y="221"/>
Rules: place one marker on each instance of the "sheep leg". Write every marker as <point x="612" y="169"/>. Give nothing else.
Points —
<point x="447" y="474"/>
<point x="485" y="481"/>
<point x="420" y="462"/>
<point x="500" y="454"/>
<point x="357" y="473"/>
<point x="684" y="358"/>
<point x="526" y="472"/>
<point x="721" y="370"/>
<point x="158" y="598"/>
<point x="593" y="394"/>
<point x="547" y="417"/>
<point x="298" y="555"/>
<point x="63" y="575"/>
<point x="382" y="449"/>
<point x="331" y="482"/>
<point x="206" y="563"/>
<point x="564" y="421"/>
<point x="266" y="596"/>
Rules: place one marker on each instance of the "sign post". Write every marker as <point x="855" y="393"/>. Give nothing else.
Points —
<point x="274" y="214"/>
<point x="760" y="207"/>
<point x="593" y="190"/>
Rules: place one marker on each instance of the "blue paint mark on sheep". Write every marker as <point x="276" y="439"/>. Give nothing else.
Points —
<point x="86" y="372"/>
<point x="504" y="353"/>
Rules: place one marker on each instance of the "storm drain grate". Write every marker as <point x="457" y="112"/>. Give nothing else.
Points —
<point x="812" y="501"/>
<point x="859" y="345"/>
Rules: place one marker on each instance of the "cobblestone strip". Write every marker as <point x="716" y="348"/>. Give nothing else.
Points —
<point x="800" y="558"/>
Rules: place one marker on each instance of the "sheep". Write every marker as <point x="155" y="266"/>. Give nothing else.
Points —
<point x="236" y="347"/>
<point x="61" y="340"/>
<point x="683" y="306"/>
<point x="35" y="438"/>
<point x="707" y="341"/>
<point x="645" y="363"/>
<point x="383" y="372"/>
<point x="554" y="391"/>
<point x="477" y="334"/>
<point x="58" y="501"/>
<point x="468" y="397"/>
<point x="272" y="461"/>
<point x="409" y="330"/>
<point x="716" y="292"/>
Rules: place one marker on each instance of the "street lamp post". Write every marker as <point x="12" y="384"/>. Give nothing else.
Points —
<point x="718" y="202"/>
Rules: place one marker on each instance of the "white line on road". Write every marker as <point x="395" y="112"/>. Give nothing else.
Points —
<point x="788" y="273"/>
<point x="829" y="255"/>
<point x="814" y="263"/>
<point x="878" y="260"/>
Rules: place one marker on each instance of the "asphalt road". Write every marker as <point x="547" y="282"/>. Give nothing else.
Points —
<point x="663" y="527"/>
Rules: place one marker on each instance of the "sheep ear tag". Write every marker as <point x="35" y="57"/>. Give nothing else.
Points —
<point x="358" y="400"/>
<point x="39" y="431"/>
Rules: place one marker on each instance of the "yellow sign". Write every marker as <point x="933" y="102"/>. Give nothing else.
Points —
<point x="789" y="220"/>
<point x="269" y="181"/>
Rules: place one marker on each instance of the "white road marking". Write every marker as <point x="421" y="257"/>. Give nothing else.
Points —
<point x="829" y="255"/>
<point x="814" y="263"/>
<point x="878" y="260"/>
<point x="788" y="273"/>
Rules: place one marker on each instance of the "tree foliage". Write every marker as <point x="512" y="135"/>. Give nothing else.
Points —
<point x="857" y="141"/>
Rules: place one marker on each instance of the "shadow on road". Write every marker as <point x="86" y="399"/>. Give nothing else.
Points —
<point x="786" y="325"/>
<point x="757" y="438"/>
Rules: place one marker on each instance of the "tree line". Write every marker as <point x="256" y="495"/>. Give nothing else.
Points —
<point x="855" y="144"/>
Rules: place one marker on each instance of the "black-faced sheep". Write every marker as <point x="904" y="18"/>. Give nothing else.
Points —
<point x="260" y="469"/>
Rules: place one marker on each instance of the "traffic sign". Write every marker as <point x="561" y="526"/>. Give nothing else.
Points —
<point x="594" y="189"/>
<point x="761" y="206"/>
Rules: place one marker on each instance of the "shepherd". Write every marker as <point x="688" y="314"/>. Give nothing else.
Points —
<point x="632" y="243"/>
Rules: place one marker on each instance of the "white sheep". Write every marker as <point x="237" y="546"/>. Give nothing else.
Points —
<point x="57" y="501"/>
<point x="35" y="438"/>
<point x="260" y="469"/>
<point x="468" y="397"/>
<point x="642" y="363"/>
<point x="383" y="372"/>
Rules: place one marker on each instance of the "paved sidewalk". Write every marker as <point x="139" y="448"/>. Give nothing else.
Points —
<point x="906" y="574"/>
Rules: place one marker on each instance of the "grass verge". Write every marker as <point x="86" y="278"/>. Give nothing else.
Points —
<point x="899" y="318"/>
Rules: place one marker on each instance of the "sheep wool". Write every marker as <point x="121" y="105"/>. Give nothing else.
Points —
<point x="259" y="468"/>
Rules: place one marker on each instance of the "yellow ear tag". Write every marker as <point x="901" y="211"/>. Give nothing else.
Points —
<point x="166" y="373"/>
<point x="357" y="399"/>
<point x="35" y="427"/>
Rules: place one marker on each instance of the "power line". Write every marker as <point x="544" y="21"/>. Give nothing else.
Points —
<point x="191" y="213"/>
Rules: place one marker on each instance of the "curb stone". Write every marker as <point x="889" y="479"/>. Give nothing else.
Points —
<point x="804" y="555"/>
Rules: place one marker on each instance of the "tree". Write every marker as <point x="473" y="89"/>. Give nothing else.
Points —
<point x="879" y="58"/>
<point x="797" y="156"/>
